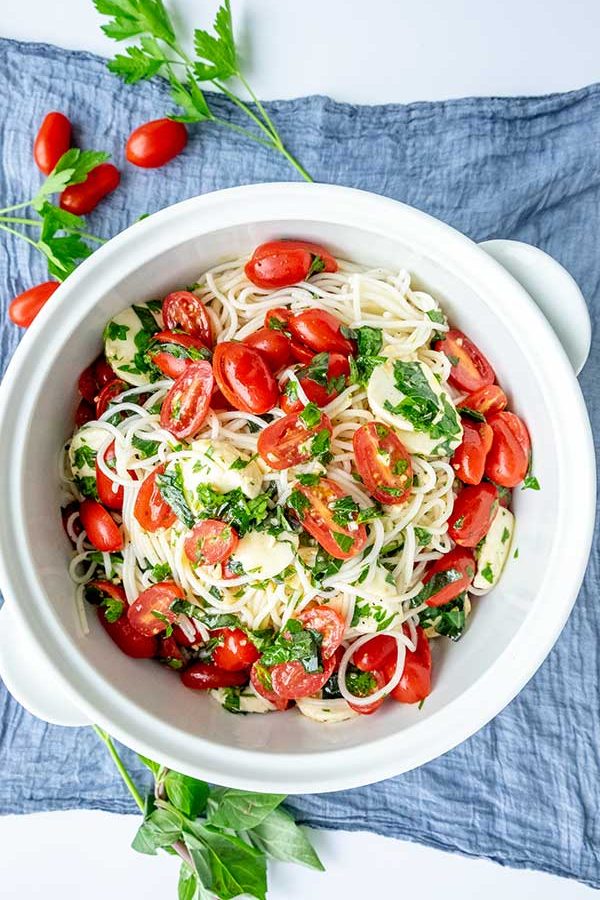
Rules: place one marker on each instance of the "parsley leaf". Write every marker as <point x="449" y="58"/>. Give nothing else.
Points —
<point x="217" y="54"/>
<point x="135" y="66"/>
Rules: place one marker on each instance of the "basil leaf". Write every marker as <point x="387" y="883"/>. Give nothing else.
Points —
<point x="240" y="810"/>
<point x="187" y="794"/>
<point x="148" y="322"/>
<point x="448" y="620"/>
<point x="295" y="643"/>
<point x="225" y="864"/>
<point x="149" y="763"/>
<point x="170" y="485"/>
<point x="161" y="829"/>
<point x="280" y="838"/>
<point x="187" y="885"/>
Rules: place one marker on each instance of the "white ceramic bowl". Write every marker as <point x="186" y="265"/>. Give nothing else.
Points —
<point x="67" y="678"/>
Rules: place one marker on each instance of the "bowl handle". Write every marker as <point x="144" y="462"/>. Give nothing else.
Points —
<point x="553" y="290"/>
<point x="33" y="684"/>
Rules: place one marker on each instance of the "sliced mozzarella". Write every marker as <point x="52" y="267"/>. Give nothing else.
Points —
<point x="211" y="463"/>
<point x="124" y="338"/>
<point x="382" y="392"/>
<point x="494" y="550"/>
<point x="328" y="711"/>
<point x="263" y="555"/>
<point x="377" y="606"/>
<point x="249" y="701"/>
<point x="82" y="457"/>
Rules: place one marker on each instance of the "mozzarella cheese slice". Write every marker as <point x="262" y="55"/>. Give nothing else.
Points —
<point x="327" y="711"/>
<point x="264" y="555"/>
<point x="494" y="550"/>
<point x="124" y="338"/>
<point x="249" y="701"/>
<point x="82" y="457"/>
<point x="218" y="464"/>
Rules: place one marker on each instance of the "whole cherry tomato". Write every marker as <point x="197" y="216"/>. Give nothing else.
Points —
<point x="85" y="412"/>
<point x="470" y="369"/>
<point x="317" y="512"/>
<point x="472" y="515"/>
<point x="151" y="510"/>
<point x="202" y="676"/>
<point x="277" y="318"/>
<point x="210" y="541"/>
<point x="172" y="352"/>
<point x="487" y="400"/>
<point x="102" y="530"/>
<point x="52" y="140"/>
<point x="377" y="653"/>
<point x="82" y="198"/>
<point x="274" y="346"/>
<point x="235" y="652"/>
<point x="278" y="264"/>
<point x="469" y="457"/>
<point x="448" y="576"/>
<point x="155" y="143"/>
<point x="383" y="463"/>
<point x="510" y="454"/>
<point x="321" y="331"/>
<point x="288" y="441"/>
<point x="415" y="684"/>
<point x="187" y="404"/>
<point x="328" y="623"/>
<point x="127" y="639"/>
<point x="244" y="378"/>
<point x="378" y="680"/>
<point x="108" y="497"/>
<point x="183" y="311"/>
<point x="103" y="373"/>
<point x="25" y="307"/>
<point x="151" y="613"/>
<point x="108" y="394"/>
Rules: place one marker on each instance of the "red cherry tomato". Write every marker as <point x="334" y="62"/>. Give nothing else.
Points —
<point x="415" y="684"/>
<point x="338" y="369"/>
<point x="383" y="463"/>
<point x="469" y="457"/>
<point x="470" y="369"/>
<point x="204" y="677"/>
<point x="25" y="307"/>
<point x="184" y="311"/>
<point x="301" y="353"/>
<point x="102" y="371"/>
<point x="151" y="613"/>
<point x="172" y="352"/>
<point x="369" y="708"/>
<point x="85" y="412"/>
<point x="317" y="518"/>
<point x="280" y="264"/>
<point x="236" y="652"/>
<point x="287" y="441"/>
<point x="108" y="394"/>
<point x="52" y="140"/>
<point x="155" y="143"/>
<point x="87" y="384"/>
<point x="320" y="330"/>
<point x="274" y="346"/>
<point x="66" y="512"/>
<point x="379" y="652"/>
<point x="170" y="652"/>
<point x="510" y="454"/>
<point x="218" y="401"/>
<point x="102" y="530"/>
<point x="211" y="541"/>
<point x="328" y="623"/>
<point x="151" y="510"/>
<point x="261" y="682"/>
<point x="108" y="497"/>
<point x="182" y="639"/>
<point x="487" y="400"/>
<point x="127" y="639"/>
<point x="81" y="199"/>
<point x="449" y="576"/>
<point x="291" y="681"/>
<point x="474" y="509"/>
<point x="244" y="378"/>
<point x="187" y="404"/>
<point x="277" y="318"/>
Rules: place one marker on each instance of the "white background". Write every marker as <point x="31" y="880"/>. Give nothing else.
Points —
<point x="367" y="51"/>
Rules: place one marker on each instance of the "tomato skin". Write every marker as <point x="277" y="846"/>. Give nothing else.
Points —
<point x="85" y="412"/>
<point x="81" y="199"/>
<point x="383" y="463"/>
<point x="510" y="454"/>
<point x="470" y="369"/>
<point x="415" y="684"/>
<point x="127" y="639"/>
<point x="487" y="400"/>
<point x="378" y="653"/>
<point x="328" y="623"/>
<point x="301" y="353"/>
<point x="317" y="519"/>
<point x="244" y="378"/>
<point x="320" y="330"/>
<point x="210" y="541"/>
<point x="258" y="675"/>
<point x="52" y="140"/>
<point x="203" y="676"/>
<point x="460" y="560"/>
<point x="102" y="530"/>
<point x="103" y="373"/>
<point x="338" y="366"/>
<point x="170" y="365"/>
<point x="277" y="318"/>
<point x="150" y="510"/>
<point x="472" y="515"/>
<point x="469" y="457"/>
<point x="283" y="443"/>
<point x="87" y="384"/>
<point x="273" y="345"/>
<point x="25" y="307"/>
<point x="108" y="393"/>
<point x="291" y="681"/>
<point x="156" y="599"/>
<point x="236" y="653"/>
<point x="183" y="310"/>
<point x="187" y="404"/>
<point x="369" y="708"/>
<point x="155" y="143"/>
<point x="278" y="264"/>
<point x="108" y="497"/>
<point x="169" y="651"/>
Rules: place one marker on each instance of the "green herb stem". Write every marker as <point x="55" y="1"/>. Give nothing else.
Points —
<point x="15" y="206"/>
<point x="238" y="128"/>
<point x="19" y="234"/>
<point x="106" y="739"/>
<point x="273" y="138"/>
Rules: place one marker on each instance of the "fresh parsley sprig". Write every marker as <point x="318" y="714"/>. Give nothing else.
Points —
<point x="158" y="51"/>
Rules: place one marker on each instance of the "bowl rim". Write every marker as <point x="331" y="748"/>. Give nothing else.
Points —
<point x="332" y="769"/>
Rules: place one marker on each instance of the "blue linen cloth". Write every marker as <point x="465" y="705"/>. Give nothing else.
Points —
<point x="525" y="790"/>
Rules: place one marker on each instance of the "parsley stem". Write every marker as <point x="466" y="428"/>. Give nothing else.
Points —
<point x="294" y="162"/>
<point x="19" y="234"/>
<point x="19" y="221"/>
<point x="266" y="117"/>
<point x="106" y="738"/>
<point x="244" y="107"/>
<point x="244" y="131"/>
<point x="15" y="206"/>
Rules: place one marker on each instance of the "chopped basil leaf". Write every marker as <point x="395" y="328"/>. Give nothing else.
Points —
<point x="471" y="413"/>
<point x="310" y="415"/>
<point x="115" y="332"/>
<point x="344" y="510"/>
<point x="487" y="573"/>
<point x="361" y="684"/>
<point x="146" y="448"/>
<point x="162" y="618"/>
<point x="295" y="643"/>
<point x="84" y="456"/>
<point x="231" y="699"/>
<point x="161" y="572"/>
<point x="505" y="535"/>
<point x="423" y="536"/>
<point x="309" y="479"/>
<point x="344" y="541"/>
<point x="241" y="463"/>
<point x="436" y="315"/>
<point x="531" y="482"/>
<point x="170" y="485"/>
<point x="448" y="620"/>
<point x="298" y="502"/>
<point x="369" y="342"/>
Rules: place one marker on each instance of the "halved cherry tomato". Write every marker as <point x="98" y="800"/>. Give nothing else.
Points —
<point x="472" y="515"/>
<point x="274" y="346"/>
<point x="328" y="623"/>
<point x="172" y="352"/>
<point x="81" y="199"/>
<point x="25" y="307"/>
<point x="211" y="541"/>
<point x="244" y="378"/>
<point x="261" y="682"/>
<point x="380" y="651"/>
<point x="301" y="353"/>
<point x="320" y="330"/>
<point x="323" y="391"/>
<point x="487" y="400"/>
<point x="277" y="318"/>
<point x="449" y="576"/>
<point x="151" y="510"/>
<point x="187" y="404"/>
<point x="85" y="412"/>
<point x="287" y="441"/>
<point x="205" y="677"/>
<point x="170" y="652"/>
<point x="279" y="264"/>
<point x="183" y="310"/>
<point x="127" y="638"/>
<point x="103" y="373"/>
<point x="469" y="457"/>
<point x="236" y="651"/>
<point x="108" y="394"/>
<point x="291" y="681"/>
<point x="369" y="708"/>
<point x="317" y="518"/>
<point x="383" y="463"/>
<point x="415" y="683"/>
<point x="155" y="143"/>
<point x="182" y="638"/>
<point x="102" y="530"/>
<point x="151" y="613"/>
<point x="470" y="369"/>
<point x="510" y="454"/>
<point x="87" y="384"/>
<point x="218" y="401"/>
<point x="109" y="497"/>
<point x="52" y="140"/>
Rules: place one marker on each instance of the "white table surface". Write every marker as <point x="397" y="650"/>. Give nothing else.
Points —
<point x="367" y="52"/>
